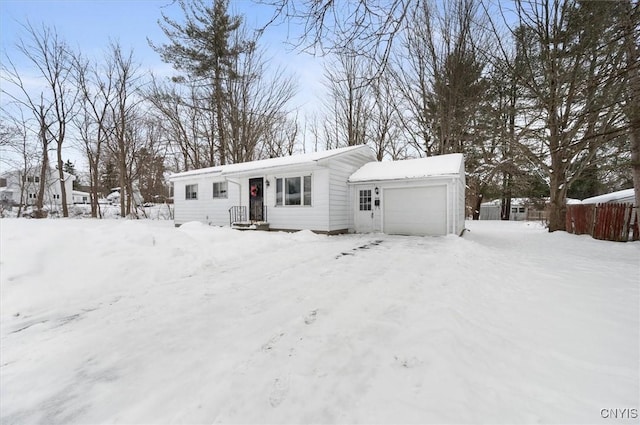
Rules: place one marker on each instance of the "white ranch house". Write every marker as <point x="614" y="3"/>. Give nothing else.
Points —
<point x="335" y="191"/>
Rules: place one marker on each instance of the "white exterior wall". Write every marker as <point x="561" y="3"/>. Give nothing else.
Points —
<point x="204" y="209"/>
<point x="52" y="192"/>
<point x="216" y="211"/>
<point x="455" y="198"/>
<point x="460" y="184"/>
<point x="330" y="208"/>
<point x="299" y="217"/>
<point x="340" y="194"/>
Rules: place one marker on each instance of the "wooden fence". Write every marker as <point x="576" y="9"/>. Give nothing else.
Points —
<point x="609" y="222"/>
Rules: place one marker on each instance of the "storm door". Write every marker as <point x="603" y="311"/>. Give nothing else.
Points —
<point x="364" y="209"/>
<point x="256" y="199"/>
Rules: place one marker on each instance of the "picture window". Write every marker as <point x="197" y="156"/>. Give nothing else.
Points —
<point x="293" y="191"/>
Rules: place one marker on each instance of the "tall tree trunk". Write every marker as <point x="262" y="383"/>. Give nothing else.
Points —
<point x="122" y="166"/>
<point x="45" y="163"/>
<point x="505" y="203"/>
<point x="558" y="197"/>
<point x="219" y="99"/>
<point x="93" y="187"/>
<point x="477" y="206"/>
<point x="633" y="101"/>
<point x="63" y="188"/>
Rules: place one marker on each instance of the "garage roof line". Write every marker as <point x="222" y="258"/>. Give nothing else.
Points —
<point x="442" y="165"/>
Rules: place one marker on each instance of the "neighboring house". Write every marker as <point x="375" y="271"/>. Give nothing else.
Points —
<point x="321" y="191"/>
<point x="626" y="196"/>
<point x="521" y="209"/>
<point x="80" y="197"/>
<point x="493" y="210"/>
<point x="12" y="183"/>
<point x="114" y="196"/>
<point x="412" y="197"/>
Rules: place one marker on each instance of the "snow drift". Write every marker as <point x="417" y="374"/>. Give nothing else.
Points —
<point x="119" y="321"/>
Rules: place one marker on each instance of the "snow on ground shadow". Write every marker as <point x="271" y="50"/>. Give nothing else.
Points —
<point x="118" y="321"/>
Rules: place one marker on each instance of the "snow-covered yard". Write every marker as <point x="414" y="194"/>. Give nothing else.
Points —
<point x="121" y="321"/>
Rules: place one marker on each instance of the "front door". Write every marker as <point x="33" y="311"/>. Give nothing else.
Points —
<point x="256" y="199"/>
<point x="364" y="214"/>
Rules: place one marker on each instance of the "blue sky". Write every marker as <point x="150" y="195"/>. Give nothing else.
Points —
<point x="89" y="26"/>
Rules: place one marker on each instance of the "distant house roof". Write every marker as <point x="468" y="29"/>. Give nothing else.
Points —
<point x="432" y="166"/>
<point x="623" y="196"/>
<point x="301" y="159"/>
<point x="13" y="176"/>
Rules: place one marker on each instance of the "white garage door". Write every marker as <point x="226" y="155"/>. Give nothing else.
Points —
<point x="415" y="211"/>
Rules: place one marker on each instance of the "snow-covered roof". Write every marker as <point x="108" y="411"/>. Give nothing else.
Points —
<point x="626" y="195"/>
<point x="300" y="159"/>
<point x="442" y="165"/>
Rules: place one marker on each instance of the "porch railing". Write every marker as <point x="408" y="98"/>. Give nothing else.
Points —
<point x="237" y="214"/>
<point x="258" y="210"/>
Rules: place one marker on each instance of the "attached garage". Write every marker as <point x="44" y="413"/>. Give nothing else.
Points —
<point x="421" y="197"/>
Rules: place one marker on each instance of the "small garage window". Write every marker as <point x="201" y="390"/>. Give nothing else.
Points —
<point x="365" y="200"/>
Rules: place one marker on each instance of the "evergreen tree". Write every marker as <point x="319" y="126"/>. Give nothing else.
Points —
<point x="201" y="48"/>
<point x="70" y="168"/>
<point x="109" y="177"/>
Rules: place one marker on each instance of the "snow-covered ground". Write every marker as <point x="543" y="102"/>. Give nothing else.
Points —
<point x="123" y="321"/>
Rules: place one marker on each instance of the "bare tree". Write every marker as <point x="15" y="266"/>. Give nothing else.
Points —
<point x="53" y="106"/>
<point x="348" y="103"/>
<point x="571" y="82"/>
<point x="183" y="120"/>
<point x="17" y="150"/>
<point x="123" y="137"/>
<point x="94" y="120"/>
<point x="258" y="99"/>
<point x="384" y="127"/>
<point x="281" y="137"/>
<point x="364" y="27"/>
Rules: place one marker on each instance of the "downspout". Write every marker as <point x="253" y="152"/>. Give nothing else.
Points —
<point x="239" y="190"/>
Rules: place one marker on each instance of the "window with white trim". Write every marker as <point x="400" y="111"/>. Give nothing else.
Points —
<point x="219" y="190"/>
<point x="293" y="190"/>
<point x="365" y="200"/>
<point x="191" y="191"/>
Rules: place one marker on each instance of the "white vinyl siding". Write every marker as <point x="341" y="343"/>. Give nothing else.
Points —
<point x="205" y="209"/>
<point x="340" y="194"/>
<point x="323" y="193"/>
<point x="299" y="217"/>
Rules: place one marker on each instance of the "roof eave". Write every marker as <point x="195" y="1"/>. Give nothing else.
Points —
<point x="435" y="176"/>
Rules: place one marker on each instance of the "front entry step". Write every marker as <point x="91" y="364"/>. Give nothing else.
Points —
<point x="248" y="225"/>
